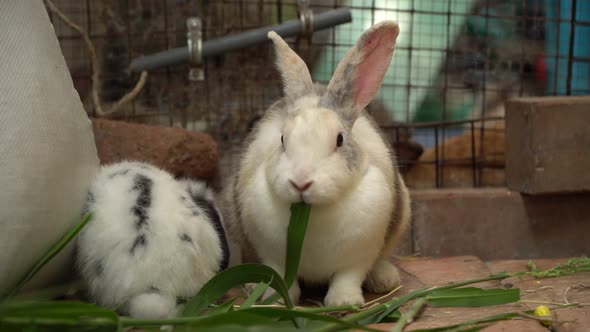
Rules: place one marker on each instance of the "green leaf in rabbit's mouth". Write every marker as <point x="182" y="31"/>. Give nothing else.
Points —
<point x="300" y="213"/>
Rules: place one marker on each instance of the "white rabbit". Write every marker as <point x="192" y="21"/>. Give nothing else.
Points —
<point x="152" y="239"/>
<point x="322" y="148"/>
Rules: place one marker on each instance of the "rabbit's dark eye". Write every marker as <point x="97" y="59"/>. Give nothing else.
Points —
<point x="282" y="140"/>
<point x="339" y="140"/>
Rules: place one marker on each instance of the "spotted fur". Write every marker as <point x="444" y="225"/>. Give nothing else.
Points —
<point x="139" y="241"/>
<point x="143" y="185"/>
<point x="118" y="173"/>
<point x="99" y="268"/>
<point x="185" y="237"/>
<point x="203" y="201"/>
<point x="146" y="246"/>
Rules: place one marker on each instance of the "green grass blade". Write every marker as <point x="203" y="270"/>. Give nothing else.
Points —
<point x="278" y="318"/>
<point x="288" y="314"/>
<point x="573" y="265"/>
<point x="56" y="315"/>
<point x="218" y="321"/>
<point x="49" y="293"/>
<point x="215" y="288"/>
<point x="225" y="307"/>
<point x="409" y="315"/>
<point x="295" y="235"/>
<point x="488" y="319"/>
<point x="52" y="252"/>
<point x="472" y="297"/>
<point x="256" y="293"/>
<point x="336" y="308"/>
<point x="396" y="303"/>
<point x="392" y="317"/>
<point x="474" y="328"/>
<point x="378" y="313"/>
<point x="250" y="328"/>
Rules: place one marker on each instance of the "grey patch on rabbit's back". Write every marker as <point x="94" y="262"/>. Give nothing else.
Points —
<point x="397" y="208"/>
<point x="185" y="237"/>
<point x="99" y="268"/>
<point x="154" y="289"/>
<point x="90" y="197"/>
<point x="190" y="203"/>
<point x="232" y="209"/>
<point x="144" y="185"/>
<point x="215" y="218"/>
<point x="119" y="173"/>
<point x="90" y="200"/>
<point x="140" y="241"/>
<point x="193" y="195"/>
<point x="145" y="166"/>
<point x="193" y="208"/>
<point x="195" y="211"/>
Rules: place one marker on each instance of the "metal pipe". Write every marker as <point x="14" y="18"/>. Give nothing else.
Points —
<point x="246" y="39"/>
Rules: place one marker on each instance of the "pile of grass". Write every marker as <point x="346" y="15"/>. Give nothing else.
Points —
<point x="205" y="313"/>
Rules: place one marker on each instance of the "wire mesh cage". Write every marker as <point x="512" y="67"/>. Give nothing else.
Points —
<point x="441" y="103"/>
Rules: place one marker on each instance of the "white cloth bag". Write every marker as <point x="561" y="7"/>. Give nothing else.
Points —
<point x="47" y="152"/>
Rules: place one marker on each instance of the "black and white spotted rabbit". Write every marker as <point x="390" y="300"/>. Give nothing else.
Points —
<point x="322" y="148"/>
<point x="152" y="239"/>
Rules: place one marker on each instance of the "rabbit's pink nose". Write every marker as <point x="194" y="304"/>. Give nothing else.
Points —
<point x="301" y="187"/>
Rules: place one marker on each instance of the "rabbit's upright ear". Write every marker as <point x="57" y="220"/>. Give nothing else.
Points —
<point x="296" y="78"/>
<point x="360" y="73"/>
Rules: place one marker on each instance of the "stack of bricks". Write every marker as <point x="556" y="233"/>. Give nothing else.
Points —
<point x="545" y="209"/>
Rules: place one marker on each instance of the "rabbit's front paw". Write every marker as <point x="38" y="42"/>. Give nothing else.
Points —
<point x="383" y="278"/>
<point x="344" y="295"/>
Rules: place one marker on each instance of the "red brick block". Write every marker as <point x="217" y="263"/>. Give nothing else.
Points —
<point x="547" y="144"/>
<point x="516" y="325"/>
<point x="500" y="224"/>
<point x="440" y="271"/>
<point x="573" y="319"/>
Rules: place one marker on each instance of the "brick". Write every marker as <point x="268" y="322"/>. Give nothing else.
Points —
<point x="536" y="291"/>
<point x="533" y="293"/>
<point x="441" y="317"/>
<point x="519" y="325"/>
<point x="547" y="141"/>
<point x="179" y="151"/>
<point x="519" y="265"/>
<point x="573" y="320"/>
<point x="555" y="290"/>
<point x="409" y="284"/>
<point x="496" y="223"/>
<point x="434" y="272"/>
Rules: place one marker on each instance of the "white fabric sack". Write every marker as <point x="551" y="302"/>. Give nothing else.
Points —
<point x="47" y="152"/>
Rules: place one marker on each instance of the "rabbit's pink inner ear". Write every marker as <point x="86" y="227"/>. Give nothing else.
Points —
<point x="376" y="51"/>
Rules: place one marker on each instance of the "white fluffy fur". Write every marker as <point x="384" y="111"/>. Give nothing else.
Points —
<point x="346" y="241"/>
<point x="152" y="306"/>
<point x="147" y="282"/>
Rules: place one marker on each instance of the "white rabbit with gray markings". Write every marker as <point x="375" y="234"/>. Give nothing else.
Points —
<point x="152" y="239"/>
<point x="322" y="148"/>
